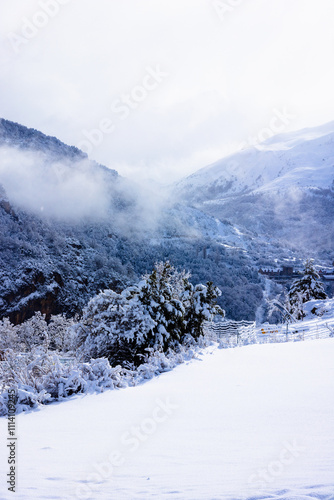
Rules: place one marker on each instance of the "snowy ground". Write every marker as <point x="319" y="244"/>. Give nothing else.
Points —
<point x="254" y="422"/>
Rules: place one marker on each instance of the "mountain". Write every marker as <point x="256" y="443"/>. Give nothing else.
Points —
<point x="281" y="190"/>
<point x="70" y="227"/>
<point x="304" y="158"/>
<point x="57" y="238"/>
<point x="15" y="135"/>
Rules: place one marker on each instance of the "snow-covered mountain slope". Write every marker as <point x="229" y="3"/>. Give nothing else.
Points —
<point x="249" y="423"/>
<point x="70" y="227"/>
<point x="15" y="135"/>
<point x="282" y="190"/>
<point x="60" y="215"/>
<point x="302" y="159"/>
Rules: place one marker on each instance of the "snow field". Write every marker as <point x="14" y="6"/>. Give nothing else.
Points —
<point x="248" y="423"/>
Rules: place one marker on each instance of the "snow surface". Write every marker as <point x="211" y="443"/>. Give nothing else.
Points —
<point x="254" y="422"/>
<point x="303" y="159"/>
<point x="279" y="192"/>
<point x="324" y="308"/>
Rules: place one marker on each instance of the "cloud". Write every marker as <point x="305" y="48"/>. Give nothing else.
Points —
<point x="54" y="188"/>
<point x="75" y="191"/>
<point x="225" y="77"/>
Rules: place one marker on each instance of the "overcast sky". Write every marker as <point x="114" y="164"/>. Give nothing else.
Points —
<point x="167" y="86"/>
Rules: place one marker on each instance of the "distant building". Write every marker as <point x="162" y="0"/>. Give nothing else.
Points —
<point x="283" y="275"/>
<point x="327" y="276"/>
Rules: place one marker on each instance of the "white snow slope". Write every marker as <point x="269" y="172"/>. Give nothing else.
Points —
<point x="303" y="160"/>
<point x="254" y="422"/>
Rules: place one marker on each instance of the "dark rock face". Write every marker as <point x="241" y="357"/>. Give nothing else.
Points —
<point x="37" y="293"/>
<point x="46" y="305"/>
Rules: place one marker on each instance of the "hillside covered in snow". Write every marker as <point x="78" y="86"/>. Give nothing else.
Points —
<point x="222" y="409"/>
<point x="249" y="423"/>
<point x="280" y="189"/>
<point x="70" y="227"/>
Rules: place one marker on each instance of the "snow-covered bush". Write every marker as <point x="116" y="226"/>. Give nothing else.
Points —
<point x="26" y="398"/>
<point x="41" y="378"/>
<point x="57" y="335"/>
<point x="33" y="332"/>
<point x="37" y="369"/>
<point x="60" y="333"/>
<point x="320" y="308"/>
<point x="28" y="374"/>
<point x="115" y="327"/>
<point x="8" y="335"/>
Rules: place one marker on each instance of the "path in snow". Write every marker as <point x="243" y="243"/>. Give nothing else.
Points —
<point x="254" y="422"/>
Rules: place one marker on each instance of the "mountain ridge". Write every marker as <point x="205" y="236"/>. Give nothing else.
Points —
<point x="246" y="170"/>
<point x="15" y="134"/>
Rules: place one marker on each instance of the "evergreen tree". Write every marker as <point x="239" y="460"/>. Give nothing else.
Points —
<point x="203" y="307"/>
<point x="157" y="313"/>
<point x="163" y="294"/>
<point x="306" y="288"/>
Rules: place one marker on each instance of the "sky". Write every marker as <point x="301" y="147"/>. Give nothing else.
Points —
<point x="157" y="89"/>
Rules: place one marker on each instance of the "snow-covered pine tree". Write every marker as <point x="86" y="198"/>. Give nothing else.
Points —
<point x="158" y="313"/>
<point x="202" y="307"/>
<point x="306" y="288"/>
<point x="177" y="307"/>
<point x="162" y="293"/>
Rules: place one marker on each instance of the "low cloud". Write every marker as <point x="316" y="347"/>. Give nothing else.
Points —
<point x="77" y="190"/>
<point x="56" y="188"/>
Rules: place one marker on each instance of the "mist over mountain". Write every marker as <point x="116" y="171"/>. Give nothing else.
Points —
<point x="70" y="227"/>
